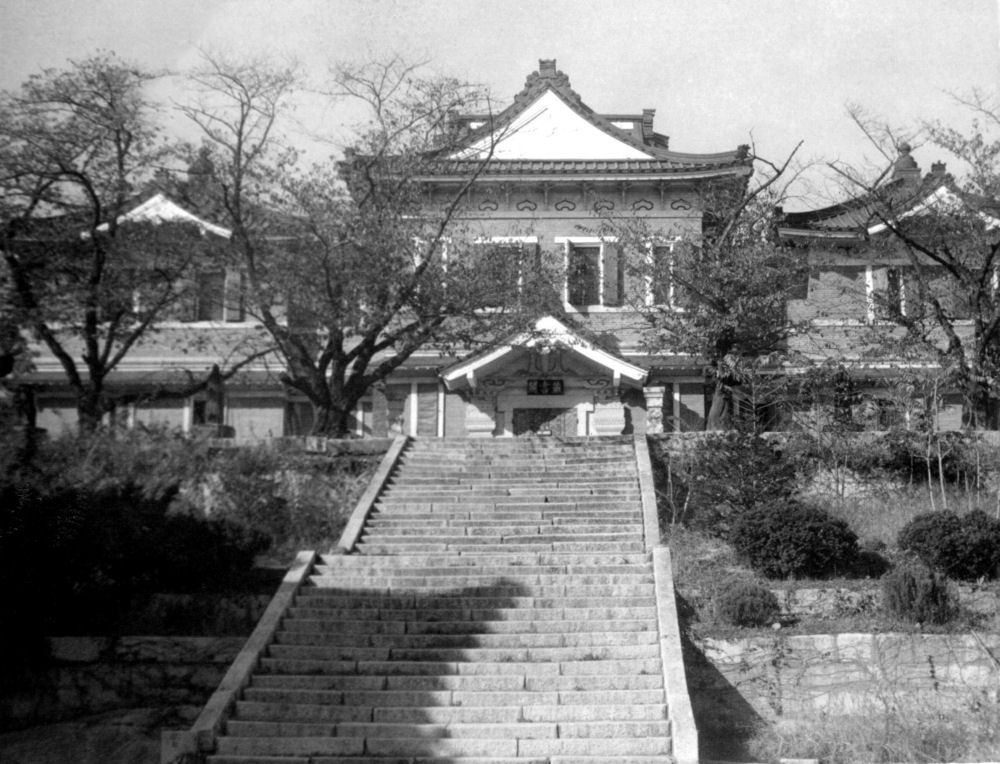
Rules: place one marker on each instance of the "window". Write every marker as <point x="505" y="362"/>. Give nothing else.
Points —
<point x="500" y="267"/>
<point x="886" y="288"/>
<point x="584" y="275"/>
<point x="662" y="287"/>
<point x="595" y="273"/>
<point x="210" y="300"/>
<point x="217" y="296"/>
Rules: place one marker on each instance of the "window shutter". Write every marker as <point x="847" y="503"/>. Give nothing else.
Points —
<point x="614" y="276"/>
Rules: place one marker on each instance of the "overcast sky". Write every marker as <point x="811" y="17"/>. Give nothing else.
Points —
<point x="714" y="70"/>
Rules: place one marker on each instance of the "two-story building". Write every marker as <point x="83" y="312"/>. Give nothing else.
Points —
<point x="555" y="169"/>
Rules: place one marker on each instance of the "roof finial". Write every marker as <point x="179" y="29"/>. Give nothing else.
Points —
<point x="905" y="167"/>
<point x="547" y="67"/>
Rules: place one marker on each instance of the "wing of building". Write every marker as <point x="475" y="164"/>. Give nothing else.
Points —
<point x="882" y="310"/>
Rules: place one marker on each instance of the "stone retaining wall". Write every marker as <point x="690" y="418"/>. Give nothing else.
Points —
<point x="740" y="682"/>
<point x="87" y="675"/>
<point x="839" y="602"/>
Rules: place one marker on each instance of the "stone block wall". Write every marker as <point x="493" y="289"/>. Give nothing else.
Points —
<point x="738" y="683"/>
<point x="86" y="675"/>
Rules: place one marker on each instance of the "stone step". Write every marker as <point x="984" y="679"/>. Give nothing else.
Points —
<point x="372" y="547"/>
<point x="406" y="610"/>
<point x="485" y="494"/>
<point x="507" y="512"/>
<point x="540" y="704"/>
<point x="525" y="461"/>
<point x="422" y="476"/>
<point x="470" y="663"/>
<point x="499" y="533"/>
<point x="269" y="688"/>
<point x="441" y="520"/>
<point x="338" y="626"/>
<point x="521" y="591"/>
<point x="496" y="562"/>
<point x="406" y="641"/>
<point x="554" y="452"/>
<point x="461" y="730"/>
<point x="509" y="579"/>
<point x="476" y="569"/>
<point x="510" y="504"/>
<point x="450" y="747"/>
<point x="468" y="652"/>
<point x="477" y="602"/>
<point x="250" y="759"/>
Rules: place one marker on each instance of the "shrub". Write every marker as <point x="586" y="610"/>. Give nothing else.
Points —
<point x="76" y="558"/>
<point x="785" y="538"/>
<point x="746" y="603"/>
<point x="720" y="475"/>
<point x="916" y="593"/>
<point x="966" y="547"/>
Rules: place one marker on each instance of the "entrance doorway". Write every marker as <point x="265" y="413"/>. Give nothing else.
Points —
<point x="549" y="421"/>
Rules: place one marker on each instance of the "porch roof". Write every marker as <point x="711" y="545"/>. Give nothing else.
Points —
<point x="547" y="332"/>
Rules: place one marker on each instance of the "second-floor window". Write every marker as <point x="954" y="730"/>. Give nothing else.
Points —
<point x="664" y="286"/>
<point x="217" y="295"/>
<point x="595" y="273"/>
<point x="886" y="293"/>
<point x="502" y="265"/>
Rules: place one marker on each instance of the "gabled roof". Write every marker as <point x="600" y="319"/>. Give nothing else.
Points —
<point x="547" y="331"/>
<point x="160" y="209"/>
<point x="549" y="130"/>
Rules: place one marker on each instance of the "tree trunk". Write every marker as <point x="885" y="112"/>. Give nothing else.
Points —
<point x="332" y="421"/>
<point x="89" y="411"/>
<point x="718" y="413"/>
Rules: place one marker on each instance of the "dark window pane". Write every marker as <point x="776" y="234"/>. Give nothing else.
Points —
<point x="584" y="275"/>
<point x="211" y="295"/>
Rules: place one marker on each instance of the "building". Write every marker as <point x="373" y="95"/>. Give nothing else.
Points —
<point x="556" y="169"/>
<point x="870" y="312"/>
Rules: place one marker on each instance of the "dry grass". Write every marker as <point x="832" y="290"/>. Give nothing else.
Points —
<point x="878" y="510"/>
<point x="893" y="727"/>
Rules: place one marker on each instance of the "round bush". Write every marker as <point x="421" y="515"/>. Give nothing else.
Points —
<point x="746" y="603"/>
<point x="784" y="538"/>
<point x="916" y="593"/>
<point x="966" y="547"/>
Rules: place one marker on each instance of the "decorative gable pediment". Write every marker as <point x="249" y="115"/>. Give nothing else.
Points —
<point x="547" y="335"/>
<point x="159" y="209"/>
<point x="548" y="128"/>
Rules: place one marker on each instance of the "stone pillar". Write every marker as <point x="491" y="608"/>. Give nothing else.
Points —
<point x="654" y="408"/>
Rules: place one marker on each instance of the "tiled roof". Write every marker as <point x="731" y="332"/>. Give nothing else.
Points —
<point x="548" y="78"/>
<point x="675" y="163"/>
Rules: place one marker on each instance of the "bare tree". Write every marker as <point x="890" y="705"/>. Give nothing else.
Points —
<point x="76" y="147"/>
<point x="941" y="234"/>
<point x="351" y="267"/>
<point x="720" y="295"/>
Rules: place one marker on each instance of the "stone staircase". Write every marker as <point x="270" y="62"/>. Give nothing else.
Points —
<point x="499" y="607"/>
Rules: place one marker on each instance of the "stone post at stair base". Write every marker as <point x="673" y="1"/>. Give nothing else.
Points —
<point x="654" y="408"/>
